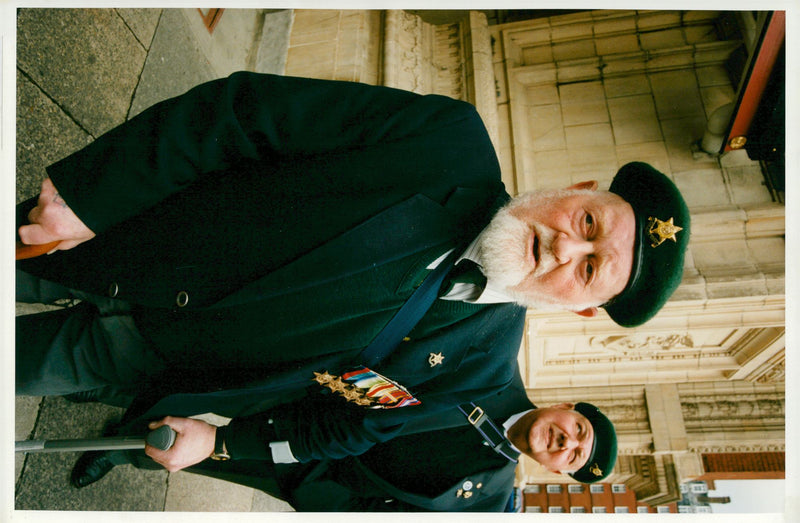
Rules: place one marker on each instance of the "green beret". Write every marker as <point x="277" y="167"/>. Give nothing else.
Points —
<point x="604" y="448"/>
<point x="662" y="233"/>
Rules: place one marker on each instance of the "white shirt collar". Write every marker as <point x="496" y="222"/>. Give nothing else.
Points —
<point x="510" y="423"/>
<point x="468" y="292"/>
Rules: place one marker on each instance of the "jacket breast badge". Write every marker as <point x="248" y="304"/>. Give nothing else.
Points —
<point x="435" y="359"/>
<point x="367" y="388"/>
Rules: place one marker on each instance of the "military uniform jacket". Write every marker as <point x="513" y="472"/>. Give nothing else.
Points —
<point x="267" y="227"/>
<point x="484" y="481"/>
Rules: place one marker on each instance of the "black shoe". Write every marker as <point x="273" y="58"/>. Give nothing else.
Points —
<point x="91" y="466"/>
<point x="84" y="396"/>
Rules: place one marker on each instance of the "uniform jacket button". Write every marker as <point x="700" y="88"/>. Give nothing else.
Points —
<point x="113" y="289"/>
<point x="182" y="299"/>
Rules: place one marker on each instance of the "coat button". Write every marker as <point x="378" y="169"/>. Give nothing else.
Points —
<point x="182" y="299"/>
<point x="113" y="289"/>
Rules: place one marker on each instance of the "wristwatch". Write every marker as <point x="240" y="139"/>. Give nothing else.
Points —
<point x="220" y="450"/>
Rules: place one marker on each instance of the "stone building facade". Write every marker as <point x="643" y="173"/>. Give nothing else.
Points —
<point x="573" y="97"/>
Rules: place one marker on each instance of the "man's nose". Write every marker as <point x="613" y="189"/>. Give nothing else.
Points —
<point x="566" y="248"/>
<point x="564" y="441"/>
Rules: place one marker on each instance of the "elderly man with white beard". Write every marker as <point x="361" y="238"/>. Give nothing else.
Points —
<point x="252" y="245"/>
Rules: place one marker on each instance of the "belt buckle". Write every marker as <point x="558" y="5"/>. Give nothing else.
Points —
<point x="479" y="412"/>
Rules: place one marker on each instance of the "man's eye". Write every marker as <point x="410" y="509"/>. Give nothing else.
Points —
<point x="589" y="222"/>
<point x="589" y="272"/>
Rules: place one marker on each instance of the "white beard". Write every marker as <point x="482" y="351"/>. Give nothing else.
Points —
<point x="503" y="251"/>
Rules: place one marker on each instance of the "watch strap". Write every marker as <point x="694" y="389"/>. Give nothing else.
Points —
<point x="220" y="450"/>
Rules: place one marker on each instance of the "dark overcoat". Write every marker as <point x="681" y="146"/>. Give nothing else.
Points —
<point x="267" y="227"/>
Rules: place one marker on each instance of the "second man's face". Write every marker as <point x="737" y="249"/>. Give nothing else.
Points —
<point x="557" y="437"/>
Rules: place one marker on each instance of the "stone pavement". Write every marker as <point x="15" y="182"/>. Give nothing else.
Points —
<point x="80" y="72"/>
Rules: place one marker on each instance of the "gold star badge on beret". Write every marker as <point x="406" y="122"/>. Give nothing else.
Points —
<point x="659" y="231"/>
<point x="596" y="470"/>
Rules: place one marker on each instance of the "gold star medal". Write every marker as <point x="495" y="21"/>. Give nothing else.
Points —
<point x="367" y="388"/>
<point x="323" y="377"/>
<point x="337" y="385"/>
<point x="352" y="394"/>
<point x="661" y="230"/>
<point x="363" y="401"/>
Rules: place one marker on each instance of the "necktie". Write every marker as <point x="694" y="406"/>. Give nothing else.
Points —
<point x="465" y="271"/>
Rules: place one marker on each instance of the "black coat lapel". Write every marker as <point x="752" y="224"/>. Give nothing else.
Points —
<point x="411" y="226"/>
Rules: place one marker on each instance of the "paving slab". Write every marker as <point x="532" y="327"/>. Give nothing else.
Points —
<point x="44" y="135"/>
<point x="232" y="44"/>
<point x="26" y="411"/>
<point x="142" y="22"/>
<point x="273" y="49"/>
<point x="45" y="478"/>
<point x="87" y="60"/>
<point x="174" y="64"/>
<point x="190" y="492"/>
<point x="263" y="502"/>
<point x="184" y="54"/>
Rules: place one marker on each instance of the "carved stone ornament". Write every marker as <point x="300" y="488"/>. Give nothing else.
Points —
<point x="641" y="344"/>
<point x="776" y="374"/>
<point x="743" y="409"/>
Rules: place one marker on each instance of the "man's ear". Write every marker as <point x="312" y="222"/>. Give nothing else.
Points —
<point x="565" y="406"/>
<point x="591" y="312"/>
<point x="590" y="185"/>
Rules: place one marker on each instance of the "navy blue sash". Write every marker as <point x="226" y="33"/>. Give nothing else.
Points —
<point x="409" y="314"/>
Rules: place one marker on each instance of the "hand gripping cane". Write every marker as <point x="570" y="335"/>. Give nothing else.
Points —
<point x="162" y="438"/>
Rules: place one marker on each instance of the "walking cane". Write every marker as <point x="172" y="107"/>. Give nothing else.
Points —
<point x="162" y="438"/>
<point x="31" y="251"/>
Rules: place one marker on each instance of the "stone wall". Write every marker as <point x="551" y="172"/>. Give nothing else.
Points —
<point x="580" y="95"/>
